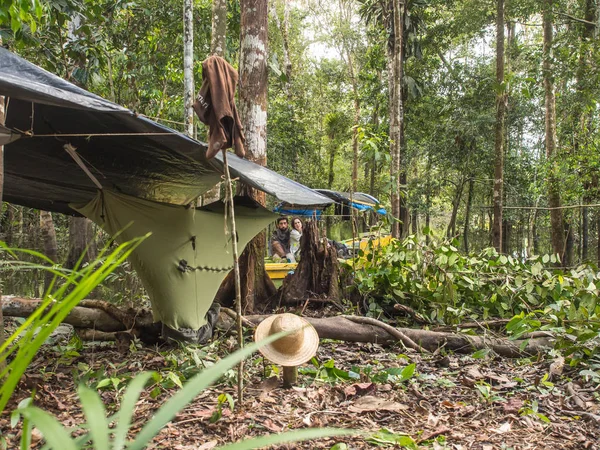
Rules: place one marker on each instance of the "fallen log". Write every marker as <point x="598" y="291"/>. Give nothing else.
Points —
<point x="343" y="328"/>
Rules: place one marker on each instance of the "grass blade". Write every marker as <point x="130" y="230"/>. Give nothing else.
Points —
<point x="191" y="389"/>
<point x="54" y="433"/>
<point x="95" y="416"/>
<point x="291" y="436"/>
<point x="123" y="417"/>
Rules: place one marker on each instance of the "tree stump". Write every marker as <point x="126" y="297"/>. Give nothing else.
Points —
<point x="317" y="273"/>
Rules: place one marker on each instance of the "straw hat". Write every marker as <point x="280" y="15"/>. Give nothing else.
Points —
<point x="292" y="349"/>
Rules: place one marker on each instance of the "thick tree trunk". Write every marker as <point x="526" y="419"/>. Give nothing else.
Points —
<point x="49" y="242"/>
<point x="188" y="66"/>
<point x="499" y="142"/>
<point x="556" y="215"/>
<point x="218" y="42"/>
<point x="106" y="318"/>
<point x="253" y="112"/>
<point x="218" y="46"/>
<point x="81" y="241"/>
<point x="395" y="57"/>
<point x="317" y="273"/>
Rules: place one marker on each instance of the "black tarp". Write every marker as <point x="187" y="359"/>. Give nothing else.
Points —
<point x="125" y="152"/>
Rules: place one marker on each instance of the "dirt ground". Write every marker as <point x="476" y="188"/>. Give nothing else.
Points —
<point x="449" y="402"/>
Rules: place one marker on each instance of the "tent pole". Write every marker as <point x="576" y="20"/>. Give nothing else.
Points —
<point x="236" y="272"/>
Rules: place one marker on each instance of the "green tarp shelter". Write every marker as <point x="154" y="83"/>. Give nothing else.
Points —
<point x="70" y="151"/>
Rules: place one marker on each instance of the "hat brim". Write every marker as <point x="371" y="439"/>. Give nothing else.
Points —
<point x="310" y="344"/>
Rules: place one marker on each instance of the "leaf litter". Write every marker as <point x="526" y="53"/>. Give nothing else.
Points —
<point x="465" y="403"/>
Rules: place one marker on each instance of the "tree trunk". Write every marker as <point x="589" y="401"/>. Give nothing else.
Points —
<point x="2" y="121"/>
<point x="218" y="45"/>
<point x="317" y="273"/>
<point x="556" y="215"/>
<point x="468" y="214"/>
<point x="49" y="242"/>
<point x="188" y="66"/>
<point x="257" y="285"/>
<point x="396" y="114"/>
<point x="585" y="233"/>
<point x="81" y="241"/>
<point x="451" y="231"/>
<point x="499" y="142"/>
<point x="218" y="42"/>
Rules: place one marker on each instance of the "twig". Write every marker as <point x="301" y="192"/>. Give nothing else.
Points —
<point x="408" y="342"/>
<point x="231" y="313"/>
<point x="236" y="272"/>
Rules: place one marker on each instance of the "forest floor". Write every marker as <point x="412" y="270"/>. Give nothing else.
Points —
<point x="451" y="401"/>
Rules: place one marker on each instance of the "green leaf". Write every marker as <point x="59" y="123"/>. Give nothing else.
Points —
<point x="52" y="430"/>
<point x="479" y="354"/>
<point x="408" y="372"/>
<point x="95" y="416"/>
<point x="123" y="417"/>
<point x="292" y="436"/>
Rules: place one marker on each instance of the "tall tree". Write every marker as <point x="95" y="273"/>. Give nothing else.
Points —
<point x="49" y="242"/>
<point x="256" y="285"/>
<point x="218" y="45"/>
<point x="188" y="65"/>
<point x="2" y="120"/>
<point x="218" y="40"/>
<point x="500" y="118"/>
<point x="395" y="74"/>
<point x="81" y="241"/>
<point x="556" y="215"/>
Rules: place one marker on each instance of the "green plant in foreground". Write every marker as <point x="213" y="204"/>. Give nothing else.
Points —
<point x="56" y="305"/>
<point x="103" y="437"/>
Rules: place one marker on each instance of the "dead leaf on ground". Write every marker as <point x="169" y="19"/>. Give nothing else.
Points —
<point x="504" y="428"/>
<point x="208" y="445"/>
<point x="359" y="389"/>
<point x="369" y="403"/>
<point x="513" y="405"/>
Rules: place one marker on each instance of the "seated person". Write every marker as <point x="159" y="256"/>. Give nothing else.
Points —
<point x="280" y="240"/>
<point x="295" y="235"/>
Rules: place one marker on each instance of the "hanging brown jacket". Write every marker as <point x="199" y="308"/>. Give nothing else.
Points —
<point x="215" y="106"/>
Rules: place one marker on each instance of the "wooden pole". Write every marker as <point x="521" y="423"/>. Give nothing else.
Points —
<point x="290" y="376"/>
<point x="236" y="272"/>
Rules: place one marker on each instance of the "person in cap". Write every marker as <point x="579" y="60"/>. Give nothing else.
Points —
<point x="293" y="349"/>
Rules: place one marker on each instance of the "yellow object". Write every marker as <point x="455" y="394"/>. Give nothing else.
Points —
<point x="278" y="271"/>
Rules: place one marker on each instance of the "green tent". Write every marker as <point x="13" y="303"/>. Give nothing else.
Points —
<point x="186" y="257"/>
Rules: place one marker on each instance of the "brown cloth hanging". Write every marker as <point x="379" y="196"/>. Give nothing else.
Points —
<point x="215" y="106"/>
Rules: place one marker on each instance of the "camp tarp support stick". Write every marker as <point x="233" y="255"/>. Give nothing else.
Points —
<point x="236" y="273"/>
<point x="72" y="151"/>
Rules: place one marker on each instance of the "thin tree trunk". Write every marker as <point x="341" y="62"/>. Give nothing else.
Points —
<point x="396" y="108"/>
<point x="556" y="215"/>
<point x="257" y="286"/>
<point x="585" y="234"/>
<point x="218" y="45"/>
<point x="2" y="121"/>
<point x="468" y="214"/>
<point x="500" y="117"/>
<point x="451" y="231"/>
<point x="428" y="199"/>
<point x="188" y="65"/>
<point x="81" y="241"/>
<point x="49" y="241"/>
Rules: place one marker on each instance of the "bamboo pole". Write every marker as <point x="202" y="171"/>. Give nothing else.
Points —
<point x="236" y="272"/>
